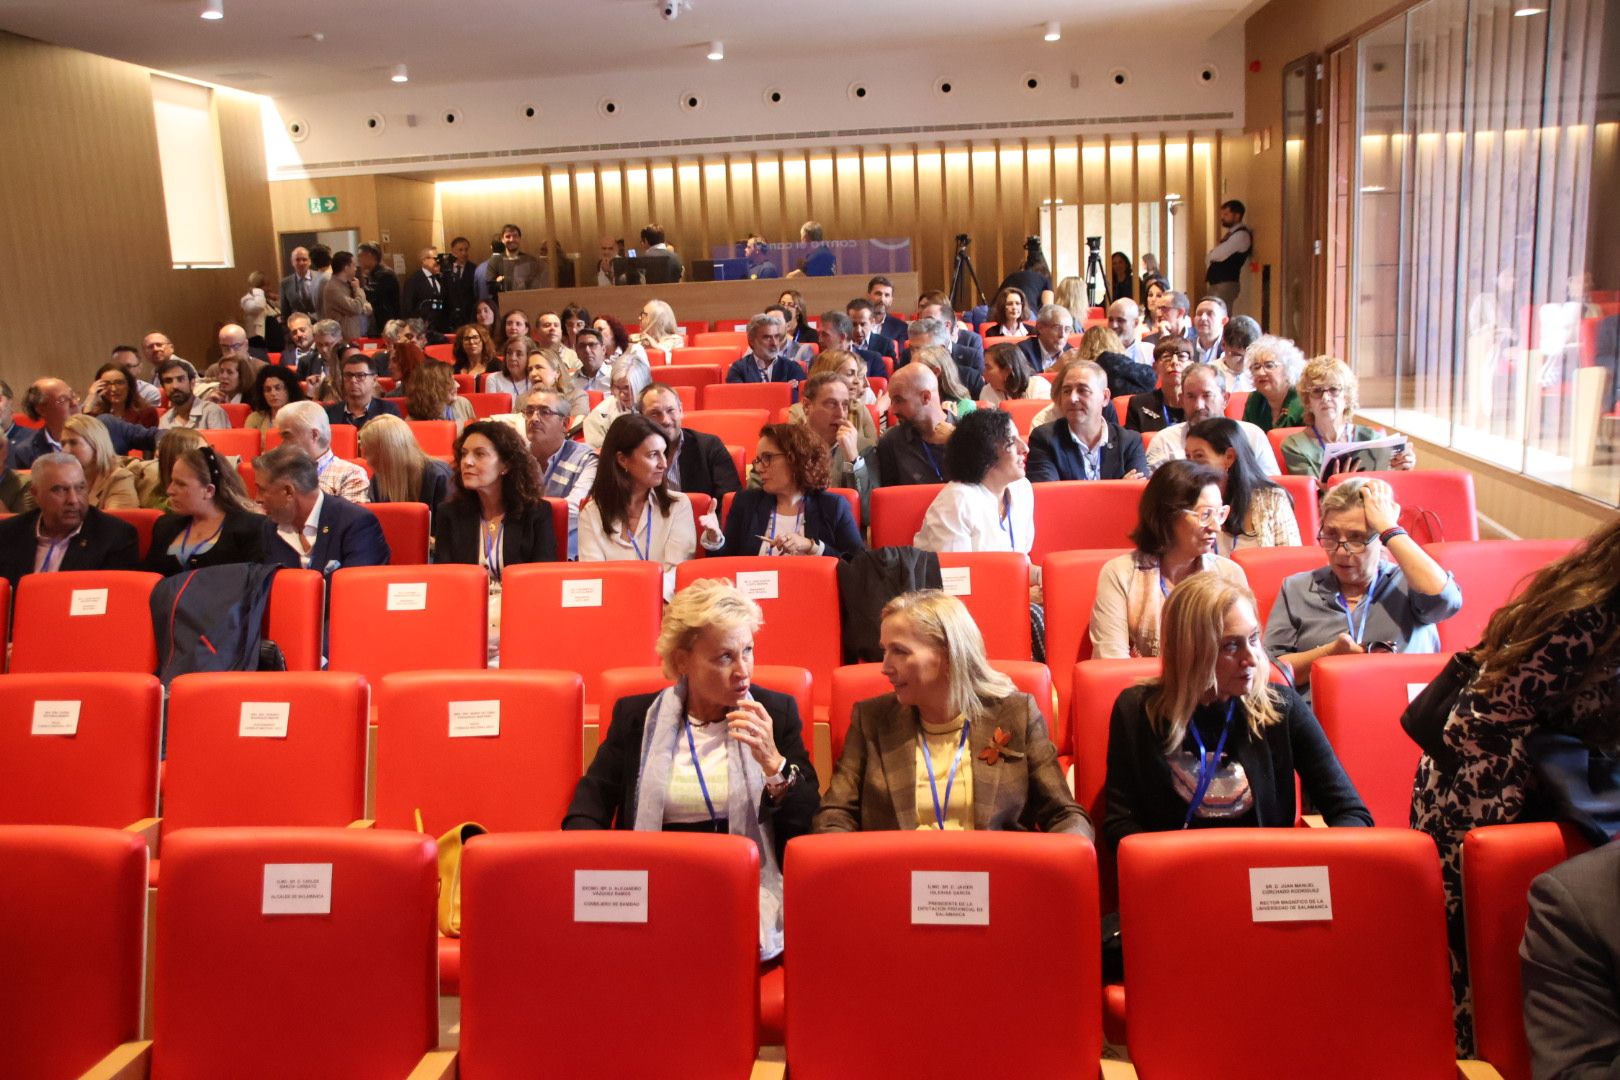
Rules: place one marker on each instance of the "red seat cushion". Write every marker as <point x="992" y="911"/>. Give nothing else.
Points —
<point x="772" y="1005"/>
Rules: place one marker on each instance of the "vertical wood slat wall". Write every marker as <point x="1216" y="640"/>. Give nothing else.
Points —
<point x="991" y="190"/>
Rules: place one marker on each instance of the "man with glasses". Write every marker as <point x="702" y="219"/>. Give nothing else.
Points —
<point x="1203" y="395"/>
<point x="1053" y="325"/>
<point x="825" y="401"/>
<point x="1125" y="320"/>
<point x="1161" y="407"/>
<point x="1360" y="602"/>
<point x="697" y="461"/>
<point x="593" y="373"/>
<point x="1083" y="444"/>
<point x="359" y="404"/>
<point x="233" y="345"/>
<point x="567" y="467"/>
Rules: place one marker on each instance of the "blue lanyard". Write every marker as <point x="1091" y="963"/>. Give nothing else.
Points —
<point x="50" y="553"/>
<point x="1207" y="763"/>
<point x="187" y="556"/>
<point x="1356" y="633"/>
<point x="932" y="460"/>
<point x="798" y="525"/>
<point x="494" y="548"/>
<point x="691" y="748"/>
<point x="950" y="778"/>
<point x="643" y="555"/>
<point x="1164" y="409"/>
<point x="1006" y="518"/>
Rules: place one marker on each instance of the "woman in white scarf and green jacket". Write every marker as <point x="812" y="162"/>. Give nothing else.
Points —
<point x="713" y="752"/>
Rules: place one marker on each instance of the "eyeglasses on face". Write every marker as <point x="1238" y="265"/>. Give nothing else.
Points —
<point x="534" y="412"/>
<point x="764" y="458"/>
<point x="1355" y="545"/>
<point x="1209" y="515"/>
<point x="1327" y="391"/>
<point x="1264" y="368"/>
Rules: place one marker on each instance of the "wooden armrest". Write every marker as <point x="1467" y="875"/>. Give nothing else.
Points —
<point x="771" y="1064"/>
<point x="127" y="1061"/>
<point x="148" y="829"/>
<point x="1477" y="1070"/>
<point x="1314" y="821"/>
<point x="362" y="823"/>
<point x="1118" y="1070"/>
<point x="435" y="1065"/>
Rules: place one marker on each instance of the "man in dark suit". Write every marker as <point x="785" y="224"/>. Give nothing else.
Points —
<point x="427" y="294"/>
<point x="863" y="329"/>
<point x="360" y="404"/>
<point x="300" y="291"/>
<point x="327" y="531"/>
<point x="764" y="361"/>
<point x="880" y="294"/>
<point x="1571" y="965"/>
<point x="836" y="332"/>
<point x="931" y="331"/>
<point x="462" y="290"/>
<point x="913" y="450"/>
<point x="64" y="532"/>
<point x="1050" y="340"/>
<point x="697" y="461"/>
<point x="381" y="285"/>
<point x="935" y="304"/>
<point x="1083" y="444"/>
<point x="51" y="401"/>
<point x="299" y="348"/>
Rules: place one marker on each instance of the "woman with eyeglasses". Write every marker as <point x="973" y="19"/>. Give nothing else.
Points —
<point x="1361" y="602"/>
<point x="1210" y="743"/>
<point x="1327" y="387"/>
<point x="1274" y="365"/>
<point x="1178" y="519"/>
<point x="1259" y="512"/>
<point x="791" y="512"/>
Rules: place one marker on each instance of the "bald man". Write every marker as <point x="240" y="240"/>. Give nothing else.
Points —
<point x="299" y="289"/>
<point x="1125" y="319"/>
<point x="913" y="450"/>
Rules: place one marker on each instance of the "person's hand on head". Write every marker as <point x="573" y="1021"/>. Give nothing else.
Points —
<point x="1378" y="502"/>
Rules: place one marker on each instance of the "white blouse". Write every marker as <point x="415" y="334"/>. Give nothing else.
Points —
<point x="968" y="517"/>
<point x="669" y="539"/>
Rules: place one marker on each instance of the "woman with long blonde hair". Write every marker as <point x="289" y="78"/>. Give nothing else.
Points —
<point x="400" y="471"/>
<point x="112" y="487"/>
<point x="1210" y="742"/>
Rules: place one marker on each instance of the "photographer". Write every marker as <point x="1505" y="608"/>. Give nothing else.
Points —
<point x="427" y="292"/>
<point x="1034" y="280"/>
<point x="381" y="285"/>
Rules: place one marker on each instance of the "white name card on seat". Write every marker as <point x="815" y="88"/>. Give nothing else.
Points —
<point x="297" y="889"/>
<point x="610" y="896"/>
<point x="1413" y="689"/>
<point x="950" y="898"/>
<point x="407" y="596"/>
<point x="583" y="593"/>
<point x="1290" y="894"/>
<point x="757" y="584"/>
<point x="87" y="602"/>
<point x="475" y="719"/>
<point x="957" y="580"/>
<point x="263" y="720"/>
<point x="55" y="718"/>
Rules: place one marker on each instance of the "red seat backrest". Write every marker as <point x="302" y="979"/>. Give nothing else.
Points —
<point x="989" y="584"/>
<point x="521" y="918"/>
<point x="1489" y="573"/>
<point x="898" y="512"/>
<point x="238" y="442"/>
<point x="295" y="617"/>
<point x="103" y="773"/>
<point x="1378" y="966"/>
<point x="143" y="518"/>
<point x="852" y="902"/>
<point x="612" y="611"/>
<point x="1072" y="514"/>
<point x="734" y="427"/>
<point x="485" y="405"/>
<point x="379" y="622"/>
<point x="1094" y="687"/>
<point x="1069" y="585"/>
<point x="1307" y="498"/>
<point x="118" y="635"/>
<point x="1267" y="567"/>
<point x="437" y="438"/>
<point x="444" y="352"/>
<point x="716" y="356"/>
<point x="1024" y="411"/>
<point x="1499" y="863"/>
<point x="74" y="943"/>
<point x="519" y="779"/>
<point x="802" y="621"/>
<point x="735" y="340"/>
<point x="238" y="412"/>
<point x="1436" y="504"/>
<point x="216" y="773"/>
<point x="1236" y="402"/>
<point x="405" y="526"/>
<point x="769" y="396"/>
<point x="359" y="984"/>
<point x="693" y="375"/>
<point x="1359" y="700"/>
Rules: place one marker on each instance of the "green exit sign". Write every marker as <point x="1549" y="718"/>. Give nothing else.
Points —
<point x="323" y="204"/>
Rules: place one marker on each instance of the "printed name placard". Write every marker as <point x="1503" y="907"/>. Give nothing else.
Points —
<point x="950" y="898"/>
<point x="1290" y="894"/>
<point x="583" y="593"/>
<point x="610" y="896"/>
<point x="957" y="580"/>
<point x="757" y="584"/>
<point x="87" y="602"/>
<point x="263" y="720"/>
<point x="475" y="719"/>
<point x="407" y="596"/>
<point x="55" y="718"/>
<point x="1413" y="689"/>
<point x="297" y="889"/>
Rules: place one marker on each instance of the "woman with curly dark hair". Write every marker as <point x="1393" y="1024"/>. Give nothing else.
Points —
<point x="615" y="340"/>
<point x="1007" y="314"/>
<point x="276" y="386"/>
<point x="475" y="350"/>
<point x="989" y="505"/>
<point x="791" y="512"/>
<point x="113" y="393"/>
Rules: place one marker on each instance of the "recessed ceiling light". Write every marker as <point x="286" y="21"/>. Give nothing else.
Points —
<point x="1526" y="12"/>
<point x="400" y="74"/>
<point x="717" y="50"/>
<point x="213" y="9"/>
<point x="1054" y="32"/>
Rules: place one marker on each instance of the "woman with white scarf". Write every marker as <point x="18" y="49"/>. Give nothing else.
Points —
<point x="712" y="753"/>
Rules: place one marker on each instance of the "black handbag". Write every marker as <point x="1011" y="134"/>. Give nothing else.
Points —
<point x="1424" y="720"/>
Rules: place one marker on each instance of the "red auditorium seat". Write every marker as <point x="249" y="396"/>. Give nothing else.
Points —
<point x="991" y="584"/>
<point x="350" y="992"/>
<point x="1378" y="967"/>
<point x="718" y="357"/>
<point x="611" y="610"/>
<point x="1489" y="573"/>
<point x="345" y="440"/>
<point x="237" y="411"/>
<point x="437" y="438"/>
<point x="1073" y="514"/>
<point x="401" y="618"/>
<point x="405" y="526"/>
<point x="690" y="327"/>
<point x="1267" y="567"/>
<point x="769" y="396"/>
<point x="295" y="617"/>
<point x="734" y="427"/>
<point x="1023" y="412"/>
<point x="74" y="938"/>
<point x="1095" y="686"/>
<point x="486" y="405"/>
<point x="522" y="917"/>
<point x="735" y="340"/>
<point x="1359" y="700"/>
<point x="143" y="518"/>
<point x="1499" y="863"/>
<point x="1069" y="585"/>
<point x="444" y="352"/>
<point x="695" y="376"/>
<point x="1276" y="436"/>
<point x="853" y="903"/>
<point x="94" y="760"/>
<point x="1436" y="504"/>
<point x="1307" y="498"/>
<point x="238" y="442"/>
<point x="1236" y="402"/>
<point x="898" y="512"/>
<point x="105" y="614"/>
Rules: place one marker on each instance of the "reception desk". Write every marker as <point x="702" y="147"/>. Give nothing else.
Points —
<point x="710" y="300"/>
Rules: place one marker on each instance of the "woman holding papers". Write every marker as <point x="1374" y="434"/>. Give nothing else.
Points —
<point x="1328" y="389"/>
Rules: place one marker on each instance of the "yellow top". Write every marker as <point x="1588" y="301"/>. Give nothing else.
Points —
<point x="942" y="743"/>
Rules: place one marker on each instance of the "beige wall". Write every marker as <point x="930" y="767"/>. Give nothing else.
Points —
<point x="371" y="205"/>
<point x="82" y="218"/>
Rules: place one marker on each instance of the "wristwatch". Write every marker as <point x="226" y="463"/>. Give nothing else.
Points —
<point x="784" y="778"/>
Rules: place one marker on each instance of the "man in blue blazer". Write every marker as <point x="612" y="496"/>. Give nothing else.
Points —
<point x="1050" y="340"/>
<point x="327" y="532"/>
<point x="764" y="361"/>
<point x="1083" y="444"/>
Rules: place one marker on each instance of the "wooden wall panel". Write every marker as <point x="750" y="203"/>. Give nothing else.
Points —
<point x="84" y="220"/>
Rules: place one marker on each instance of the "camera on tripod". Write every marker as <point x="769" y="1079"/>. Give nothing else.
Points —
<point x="446" y="261"/>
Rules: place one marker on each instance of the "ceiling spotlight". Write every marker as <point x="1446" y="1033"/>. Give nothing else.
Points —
<point x="213" y="9"/>
<point x="1054" y="32"/>
<point x="399" y="74"/>
<point x="717" y="50"/>
<point x="1526" y="12"/>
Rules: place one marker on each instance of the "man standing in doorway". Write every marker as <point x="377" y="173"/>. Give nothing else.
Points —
<point x="1225" y="274"/>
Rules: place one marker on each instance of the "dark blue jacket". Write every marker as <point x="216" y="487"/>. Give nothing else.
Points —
<point x="1053" y="455"/>
<point x="339" y="413"/>
<point x="782" y="370"/>
<point x="1031" y="348"/>
<point x="826" y="519"/>
<point x="348" y="535"/>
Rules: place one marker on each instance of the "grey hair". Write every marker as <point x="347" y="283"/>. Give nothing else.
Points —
<point x="328" y="326"/>
<point x="394" y="327"/>
<point x="1280" y="349"/>
<point x="1053" y="314"/>
<point x="838" y="323"/>
<point x="1345" y="495"/>
<point x="708" y="602"/>
<point x="935" y="330"/>
<point x="628" y="366"/>
<point x="306" y="416"/>
<point x="288" y="462"/>
<point x="761" y="321"/>
<point x="56" y="457"/>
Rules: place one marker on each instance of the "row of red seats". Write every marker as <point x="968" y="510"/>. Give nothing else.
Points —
<point x="862" y="937"/>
